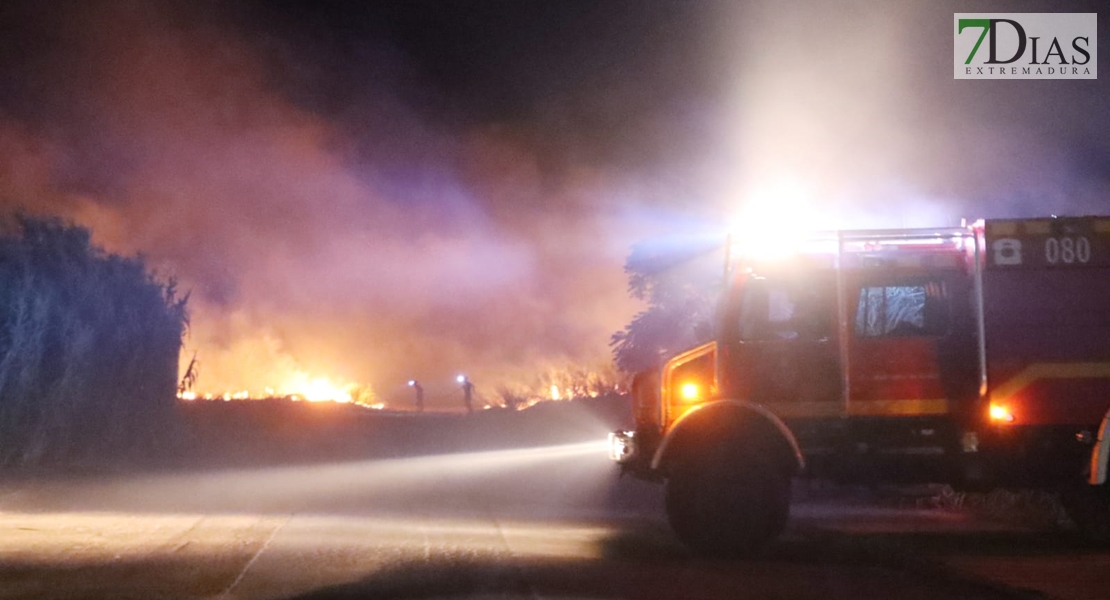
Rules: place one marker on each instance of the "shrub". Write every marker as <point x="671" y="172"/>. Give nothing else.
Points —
<point x="89" y="344"/>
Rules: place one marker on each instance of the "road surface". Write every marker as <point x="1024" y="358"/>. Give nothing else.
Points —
<point x="547" y="523"/>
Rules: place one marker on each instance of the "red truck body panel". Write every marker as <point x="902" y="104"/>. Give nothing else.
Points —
<point x="1046" y="312"/>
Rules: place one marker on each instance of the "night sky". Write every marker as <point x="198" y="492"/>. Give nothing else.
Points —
<point x="378" y="191"/>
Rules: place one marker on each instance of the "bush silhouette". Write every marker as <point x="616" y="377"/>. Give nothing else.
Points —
<point x="89" y="344"/>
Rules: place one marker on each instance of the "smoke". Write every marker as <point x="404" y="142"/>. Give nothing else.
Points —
<point x="858" y="101"/>
<point x="302" y="254"/>
<point x="357" y="210"/>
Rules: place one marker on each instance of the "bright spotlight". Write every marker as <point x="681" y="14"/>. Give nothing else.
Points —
<point x="461" y="379"/>
<point x="776" y="217"/>
<point x="412" y="383"/>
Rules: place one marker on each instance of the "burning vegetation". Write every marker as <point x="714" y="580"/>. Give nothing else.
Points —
<point x="297" y="387"/>
<point x="551" y="385"/>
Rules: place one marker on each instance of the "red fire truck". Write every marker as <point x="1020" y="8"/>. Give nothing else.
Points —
<point x="977" y="356"/>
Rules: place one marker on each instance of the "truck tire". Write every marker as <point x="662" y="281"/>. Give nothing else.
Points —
<point x="727" y="505"/>
<point x="1088" y="506"/>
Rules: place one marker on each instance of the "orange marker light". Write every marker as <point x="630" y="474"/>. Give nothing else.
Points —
<point x="689" y="391"/>
<point x="1001" y="413"/>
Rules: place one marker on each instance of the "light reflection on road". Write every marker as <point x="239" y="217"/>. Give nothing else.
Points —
<point x="551" y="522"/>
<point x="267" y="532"/>
<point x="452" y="483"/>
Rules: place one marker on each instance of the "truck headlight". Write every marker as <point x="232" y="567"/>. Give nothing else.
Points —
<point x="622" y="446"/>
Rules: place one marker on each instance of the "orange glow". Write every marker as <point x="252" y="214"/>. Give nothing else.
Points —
<point x="689" y="391"/>
<point x="316" y="389"/>
<point x="294" y="383"/>
<point x="1001" y="413"/>
<point x="299" y="386"/>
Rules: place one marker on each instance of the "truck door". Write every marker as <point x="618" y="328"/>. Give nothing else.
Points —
<point x="897" y="330"/>
<point x="787" y="350"/>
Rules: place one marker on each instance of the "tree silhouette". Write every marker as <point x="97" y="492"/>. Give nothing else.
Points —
<point x="680" y="280"/>
<point x="89" y="344"/>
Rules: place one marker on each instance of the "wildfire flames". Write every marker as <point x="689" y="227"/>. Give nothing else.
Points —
<point x="553" y="385"/>
<point x="299" y="386"/>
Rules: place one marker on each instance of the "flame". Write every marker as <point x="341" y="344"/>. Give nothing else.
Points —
<point x="320" y="389"/>
<point x="298" y="386"/>
<point x="293" y="383"/>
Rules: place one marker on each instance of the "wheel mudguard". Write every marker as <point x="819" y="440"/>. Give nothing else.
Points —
<point x="727" y="408"/>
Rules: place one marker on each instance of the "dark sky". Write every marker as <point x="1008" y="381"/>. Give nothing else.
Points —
<point x="377" y="191"/>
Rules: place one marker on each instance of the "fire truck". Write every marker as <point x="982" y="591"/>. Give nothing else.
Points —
<point x="977" y="356"/>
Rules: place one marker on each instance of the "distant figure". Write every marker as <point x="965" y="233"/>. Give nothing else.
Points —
<point x="468" y="392"/>
<point x="414" y="384"/>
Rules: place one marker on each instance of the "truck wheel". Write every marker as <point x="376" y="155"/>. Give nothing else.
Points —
<point x="1089" y="507"/>
<point x="728" y="507"/>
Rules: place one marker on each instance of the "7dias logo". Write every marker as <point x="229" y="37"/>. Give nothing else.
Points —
<point x="1025" y="46"/>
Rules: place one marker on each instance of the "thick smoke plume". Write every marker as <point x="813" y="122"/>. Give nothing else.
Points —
<point x="365" y="217"/>
<point x="174" y="142"/>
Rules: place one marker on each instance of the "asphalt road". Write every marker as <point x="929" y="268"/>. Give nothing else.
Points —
<point x="544" y="523"/>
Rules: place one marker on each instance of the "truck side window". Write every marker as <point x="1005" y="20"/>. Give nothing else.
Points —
<point x="777" y="312"/>
<point x="902" y="310"/>
<point x="766" y="312"/>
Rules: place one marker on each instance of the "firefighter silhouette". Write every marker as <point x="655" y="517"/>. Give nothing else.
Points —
<point x="415" y="385"/>
<point x="468" y="392"/>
